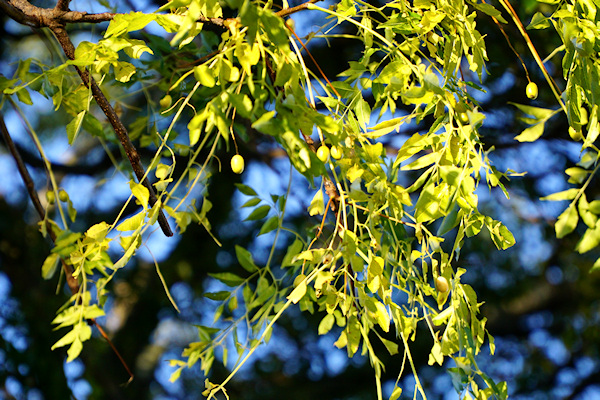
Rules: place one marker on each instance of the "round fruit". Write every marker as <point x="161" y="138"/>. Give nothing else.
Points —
<point x="323" y="153"/>
<point x="575" y="135"/>
<point x="166" y="101"/>
<point x="290" y="23"/>
<point x="237" y="164"/>
<point x="531" y="90"/>
<point x="63" y="196"/>
<point x="50" y="197"/>
<point x="441" y="284"/>
<point x="336" y="152"/>
<point x="464" y="117"/>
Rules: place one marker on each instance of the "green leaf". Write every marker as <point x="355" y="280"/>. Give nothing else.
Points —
<point x="298" y="292"/>
<point x="532" y="133"/>
<point x="537" y="112"/>
<point x="568" y="194"/>
<point x="391" y="347"/>
<point x="132" y="223"/>
<point x="589" y="240"/>
<point x="326" y="324"/>
<point x="363" y="113"/>
<point x="247" y="190"/>
<point x="422" y="162"/>
<point x="567" y="221"/>
<point x="218" y="296"/>
<point x="539" y="21"/>
<point x="123" y="71"/>
<point x="258" y="213"/>
<point x="596" y="266"/>
<point x="271" y="224"/>
<point x="123" y="23"/>
<point x="97" y="231"/>
<point x="74" y="127"/>
<point x="382" y="316"/>
<point x="317" y="204"/>
<point x="436" y="355"/>
<point x="49" y="266"/>
<point x="228" y="278"/>
<point x="245" y="259"/>
<point x="140" y="192"/>
<point x="252" y="202"/>
<point x="501" y="236"/>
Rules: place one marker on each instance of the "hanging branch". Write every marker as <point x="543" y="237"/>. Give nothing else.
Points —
<point x="56" y="19"/>
<point x="68" y="270"/>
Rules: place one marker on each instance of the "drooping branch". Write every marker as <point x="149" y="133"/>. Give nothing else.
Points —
<point x="68" y="269"/>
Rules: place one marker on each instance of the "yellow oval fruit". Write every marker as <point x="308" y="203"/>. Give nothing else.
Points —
<point x="323" y="153"/>
<point x="237" y="164"/>
<point x="166" y="101"/>
<point x="531" y="90"/>
<point x="50" y="197"/>
<point x="63" y="196"/>
<point x="575" y="135"/>
<point x="463" y="117"/>
<point x="336" y="152"/>
<point x="441" y="284"/>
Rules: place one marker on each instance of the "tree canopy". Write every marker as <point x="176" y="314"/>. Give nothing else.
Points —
<point x="278" y="197"/>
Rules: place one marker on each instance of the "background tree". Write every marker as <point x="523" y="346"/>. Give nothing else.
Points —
<point x="192" y="97"/>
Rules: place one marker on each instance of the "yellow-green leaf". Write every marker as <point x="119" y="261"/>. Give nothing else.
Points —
<point x="317" y="204"/>
<point x="567" y="221"/>
<point x="140" y="192"/>
<point x="49" y="266"/>
<point x="298" y="292"/>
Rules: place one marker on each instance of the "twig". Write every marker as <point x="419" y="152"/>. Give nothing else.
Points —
<point x="71" y="280"/>
<point x="290" y="10"/>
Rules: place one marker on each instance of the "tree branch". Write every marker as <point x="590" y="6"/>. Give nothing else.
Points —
<point x="27" y="14"/>
<point x="115" y="121"/>
<point x="62" y="5"/>
<point x="291" y="10"/>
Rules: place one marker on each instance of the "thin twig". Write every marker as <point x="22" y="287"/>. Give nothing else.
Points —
<point x="291" y="10"/>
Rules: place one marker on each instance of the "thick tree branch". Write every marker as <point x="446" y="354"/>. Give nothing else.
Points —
<point x="27" y="14"/>
<point x="62" y="5"/>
